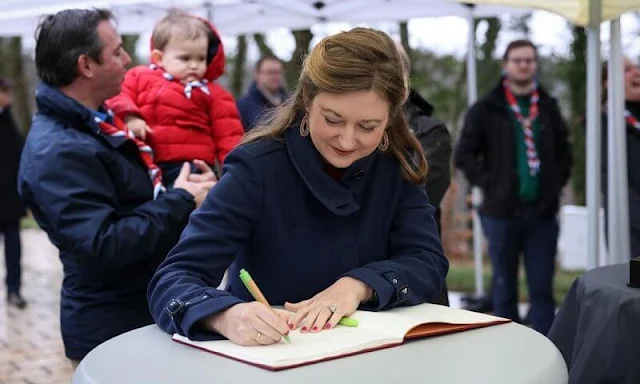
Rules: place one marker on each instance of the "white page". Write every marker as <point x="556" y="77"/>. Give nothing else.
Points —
<point x="375" y="329"/>
<point x="304" y="347"/>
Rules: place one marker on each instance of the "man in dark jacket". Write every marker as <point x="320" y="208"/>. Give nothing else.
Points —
<point x="11" y="208"/>
<point x="514" y="147"/>
<point x="266" y="92"/>
<point x="435" y="139"/>
<point x="93" y="187"/>
<point x="436" y="143"/>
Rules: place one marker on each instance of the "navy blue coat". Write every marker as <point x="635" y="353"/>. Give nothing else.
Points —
<point x="92" y="195"/>
<point x="277" y="213"/>
<point x="253" y="105"/>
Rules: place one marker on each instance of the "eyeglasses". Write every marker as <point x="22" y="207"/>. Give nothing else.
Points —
<point x="522" y="60"/>
<point x="272" y="72"/>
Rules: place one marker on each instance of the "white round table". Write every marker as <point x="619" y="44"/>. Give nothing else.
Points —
<point x="507" y="353"/>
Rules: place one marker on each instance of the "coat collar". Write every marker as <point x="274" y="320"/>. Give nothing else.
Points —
<point x="57" y="105"/>
<point x="338" y="197"/>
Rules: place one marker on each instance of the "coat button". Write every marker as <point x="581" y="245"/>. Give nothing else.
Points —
<point x="395" y="281"/>
<point x="405" y="290"/>
<point x="174" y="307"/>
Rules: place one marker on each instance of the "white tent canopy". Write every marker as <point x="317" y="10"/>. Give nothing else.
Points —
<point x="20" y="17"/>
<point x="577" y="12"/>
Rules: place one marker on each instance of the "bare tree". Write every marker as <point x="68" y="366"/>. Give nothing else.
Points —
<point x="239" y="61"/>
<point x="292" y="66"/>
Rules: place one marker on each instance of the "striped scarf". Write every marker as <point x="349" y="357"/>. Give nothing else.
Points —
<point x="532" y="154"/>
<point x="631" y="120"/>
<point x="116" y="128"/>
<point x="188" y="87"/>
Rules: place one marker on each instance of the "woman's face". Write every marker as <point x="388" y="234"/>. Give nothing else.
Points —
<point x="347" y="127"/>
<point x="631" y="81"/>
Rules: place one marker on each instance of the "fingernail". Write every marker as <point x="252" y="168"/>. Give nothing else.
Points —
<point x="291" y="326"/>
<point x="314" y="329"/>
<point x="327" y="326"/>
<point x="304" y="329"/>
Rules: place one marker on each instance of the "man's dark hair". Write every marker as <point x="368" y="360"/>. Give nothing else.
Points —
<point x="62" y="38"/>
<point x="519" y="44"/>
<point x="5" y="85"/>
<point x="265" y="58"/>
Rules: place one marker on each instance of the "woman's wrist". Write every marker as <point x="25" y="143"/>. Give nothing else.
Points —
<point x="216" y="322"/>
<point x="362" y="291"/>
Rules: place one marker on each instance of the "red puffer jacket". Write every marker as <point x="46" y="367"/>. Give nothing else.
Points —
<point x="205" y="126"/>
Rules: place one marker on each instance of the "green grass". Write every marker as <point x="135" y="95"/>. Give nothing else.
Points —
<point x="28" y="223"/>
<point x="461" y="278"/>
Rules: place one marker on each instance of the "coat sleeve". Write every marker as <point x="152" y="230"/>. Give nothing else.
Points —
<point x="124" y="104"/>
<point x="437" y="150"/>
<point x="564" y="155"/>
<point x="416" y="268"/>
<point x="226" y="126"/>
<point x="183" y="292"/>
<point x="74" y="200"/>
<point x="469" y="151"/>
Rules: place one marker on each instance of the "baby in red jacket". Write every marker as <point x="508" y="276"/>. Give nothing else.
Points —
<point x="174" y="104"/>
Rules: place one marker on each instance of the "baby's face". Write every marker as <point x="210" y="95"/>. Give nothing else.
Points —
<point x="185" y="60"/>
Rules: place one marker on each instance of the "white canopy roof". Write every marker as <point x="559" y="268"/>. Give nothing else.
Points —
<point x="576" y="11"/>
<point x="20" y="17"/>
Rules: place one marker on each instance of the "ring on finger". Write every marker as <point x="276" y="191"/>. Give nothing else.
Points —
<point x="333" y="308"/>
<point x="258" y="337"/>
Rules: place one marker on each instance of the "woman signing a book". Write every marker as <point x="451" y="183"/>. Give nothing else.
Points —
<point x="321" y="204"/>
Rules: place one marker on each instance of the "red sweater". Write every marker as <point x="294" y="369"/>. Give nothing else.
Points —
<point x="204" y="126"/>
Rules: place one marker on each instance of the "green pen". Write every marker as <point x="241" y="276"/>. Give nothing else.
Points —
<point x="348" y="322"/>
<point x="253" y="289"/>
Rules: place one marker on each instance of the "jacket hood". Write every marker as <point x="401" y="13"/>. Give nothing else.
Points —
<point x="215" y="54"/>
<point x="420" y="103"/>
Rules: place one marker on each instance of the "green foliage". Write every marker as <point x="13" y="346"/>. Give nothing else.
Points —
<point x="12" y="68"/>
<point x="489" y="64"/>
<point x="575" y="74"/>
<point x="129" y="43"/>
<point x="438" y="78"/>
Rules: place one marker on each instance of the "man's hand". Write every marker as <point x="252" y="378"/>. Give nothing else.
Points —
<point x="197" y="188"/>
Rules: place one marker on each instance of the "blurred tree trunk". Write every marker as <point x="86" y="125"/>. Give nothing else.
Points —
<point x="239" y="62"/>
<point x="129" y="42"/>
<point x="488" y="67"/>
<point x="404" y="40"/>
<point x="576" y="75"/>
<point x="292" y="66"/>
<point x="12" y="69"/>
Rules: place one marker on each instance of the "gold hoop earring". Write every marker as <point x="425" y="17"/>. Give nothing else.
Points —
<point x="384" y="143"/>
<point x="304" y="126"/>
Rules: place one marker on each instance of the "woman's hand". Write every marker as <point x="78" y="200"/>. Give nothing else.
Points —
<point x="250" y="324"/>
<point x="324" y="310"/>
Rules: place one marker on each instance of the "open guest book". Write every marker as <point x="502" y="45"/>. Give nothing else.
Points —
<point x="376" y="330"/>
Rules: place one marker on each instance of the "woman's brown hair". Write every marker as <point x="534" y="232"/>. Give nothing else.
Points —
<point x="361" y="59"/>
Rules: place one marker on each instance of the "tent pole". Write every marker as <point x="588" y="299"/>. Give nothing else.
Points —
<point x="617" y="157"/>
<point x="594" y="133"/>
<point x="476" y="194"/>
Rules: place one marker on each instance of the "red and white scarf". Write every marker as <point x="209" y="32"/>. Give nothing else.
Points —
<point x="527" y="123"/>
<point x="631" y="120"/>
<point x="119" y="129"/>
<point x="188" y="87"/>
